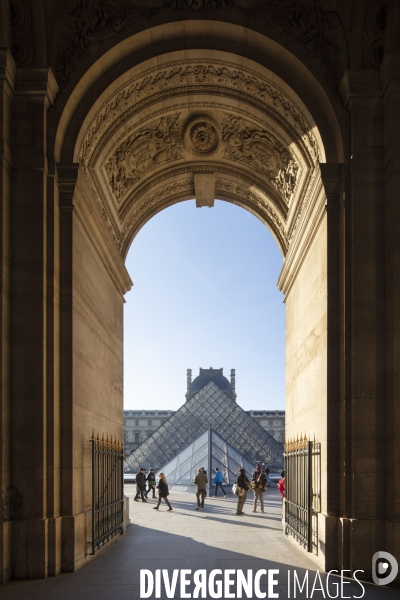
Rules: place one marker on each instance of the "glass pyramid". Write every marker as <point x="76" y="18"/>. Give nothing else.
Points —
<point x="209" y="407"/>
<point x="210" y="450"/>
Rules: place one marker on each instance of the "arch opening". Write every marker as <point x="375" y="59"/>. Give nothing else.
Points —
<point x="201" y="125"/>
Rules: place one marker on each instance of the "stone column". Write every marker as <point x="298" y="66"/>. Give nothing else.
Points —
<point x="7" y="80"/>
<point x="36" y="540"/>
<point x="390" y="77"/>
<point x="363" y="520"/>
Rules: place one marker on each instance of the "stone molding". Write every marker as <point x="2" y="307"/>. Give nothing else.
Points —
<point x="93" y="222"/>
<point x="309" y="221"/>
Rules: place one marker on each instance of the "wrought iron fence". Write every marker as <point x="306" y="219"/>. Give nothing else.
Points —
<point x="303" y="491"/>
<point x="107" y="490"/>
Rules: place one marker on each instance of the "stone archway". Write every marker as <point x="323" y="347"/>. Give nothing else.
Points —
<point x="201" y="124"/>
<point x="79" y="180"/>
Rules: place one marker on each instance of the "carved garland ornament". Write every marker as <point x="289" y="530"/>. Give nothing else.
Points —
<point x="139" y="154"/>
<point x="259" y="150"/>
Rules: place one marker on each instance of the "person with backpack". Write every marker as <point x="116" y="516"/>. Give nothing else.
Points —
<point x="218" y="479"/>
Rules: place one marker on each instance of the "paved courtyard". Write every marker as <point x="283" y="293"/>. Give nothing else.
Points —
<point x="213" y="538"/>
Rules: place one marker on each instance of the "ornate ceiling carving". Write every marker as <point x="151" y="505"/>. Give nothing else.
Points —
<point x="91" y="22"/>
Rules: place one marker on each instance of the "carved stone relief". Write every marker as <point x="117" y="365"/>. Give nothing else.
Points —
<point x="148" y="147"/>
<point x="163" y="141"/>
<point x="201" y="135"/>
<point x="375" y="23"/>
<point x="262" y="152"/>
<point x="91" y="22"/>
<point x="23" y="37"/>
<point x="199" y="75"/>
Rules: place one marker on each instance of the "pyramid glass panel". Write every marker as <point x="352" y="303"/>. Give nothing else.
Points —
<point x="215" y="452"/>
<point x="209" y="407"/>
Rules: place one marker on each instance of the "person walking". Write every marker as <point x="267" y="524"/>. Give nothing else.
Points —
<point x="163" y="492"/>
<point x="140" y="485"/>
<point x="204" y="473"/>
<point x="259" y="485"/>
<point x="218" y="482"/>
<point x="151" y="481"/>
<point x="200" y="481"/>
<point x="243" y="483"/>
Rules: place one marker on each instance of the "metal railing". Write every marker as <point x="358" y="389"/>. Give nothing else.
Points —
<point x="107" y="490"/>
<point x="303" y="491"/>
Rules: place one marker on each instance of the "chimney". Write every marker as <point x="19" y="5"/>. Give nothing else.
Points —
<point x="233" y="381"/>
<point x="188" y="379"/>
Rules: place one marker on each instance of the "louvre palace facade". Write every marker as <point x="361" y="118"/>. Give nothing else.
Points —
<point x="141" y="424"/>
<point x="112" y="111"/>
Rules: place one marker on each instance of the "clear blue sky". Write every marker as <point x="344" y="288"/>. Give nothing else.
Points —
<point x="204" y="295"/>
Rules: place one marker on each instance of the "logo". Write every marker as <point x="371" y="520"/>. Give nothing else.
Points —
<point x="384" y="568"/>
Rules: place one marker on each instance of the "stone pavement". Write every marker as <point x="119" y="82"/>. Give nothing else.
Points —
<point x="213" y="538"/>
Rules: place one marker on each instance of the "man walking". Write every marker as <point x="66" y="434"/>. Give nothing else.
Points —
<point x="218" y="482"/>
<point x="151" y="480"/>
<point x="200" y="481"/>
<point x="141" y="485"/>
<point x="259" y="481"/>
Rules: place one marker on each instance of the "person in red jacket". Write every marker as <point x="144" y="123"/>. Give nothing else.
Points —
<point x="281" y="487"/>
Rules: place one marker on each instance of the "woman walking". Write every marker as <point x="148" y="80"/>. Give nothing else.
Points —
<point x="243" y="483"/>
<point x="163" y="492"/>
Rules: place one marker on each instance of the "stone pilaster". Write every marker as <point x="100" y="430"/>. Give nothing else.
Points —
<point x="390" y="75"/>
<point x="67" y="175"/>
<point x="365" y="264"/>
<point x="34" y="332"/>
<point x="7" y="80"/>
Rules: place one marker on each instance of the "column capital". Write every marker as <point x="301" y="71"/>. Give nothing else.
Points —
<point x="331" y="175"/>
<point x="67" y="176"/>
<point x="359" y="84"/>
<point x="38" y="84"/>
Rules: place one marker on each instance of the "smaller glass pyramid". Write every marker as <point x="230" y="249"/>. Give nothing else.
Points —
<point x="209" y="450"/>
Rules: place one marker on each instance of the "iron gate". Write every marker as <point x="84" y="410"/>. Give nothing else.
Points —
<point x="303" y="491"/>
<point x="107" y="490"/>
